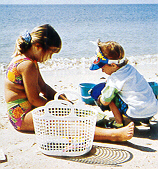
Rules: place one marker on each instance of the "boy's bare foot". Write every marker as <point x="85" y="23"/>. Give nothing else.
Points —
<point x="124" y="133"/>
<point x="121" y="134"/>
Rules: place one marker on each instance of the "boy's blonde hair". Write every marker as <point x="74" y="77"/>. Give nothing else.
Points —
<point x="45" y="36"/>
<point x="111" y="50"/>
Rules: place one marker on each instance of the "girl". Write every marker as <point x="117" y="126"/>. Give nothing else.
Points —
<point x="23" y="82"/>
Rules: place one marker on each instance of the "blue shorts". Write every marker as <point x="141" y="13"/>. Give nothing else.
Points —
<point x="122" y="106"/>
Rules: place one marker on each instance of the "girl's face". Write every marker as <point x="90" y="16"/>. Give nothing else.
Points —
<point x="48" y="53"/>
<point x="109" y="69"/>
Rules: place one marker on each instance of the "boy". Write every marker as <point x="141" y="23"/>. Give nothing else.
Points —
<point x="126" y="91"/>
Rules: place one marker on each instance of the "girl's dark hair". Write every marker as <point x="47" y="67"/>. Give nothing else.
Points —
<point x="45" y="36"/>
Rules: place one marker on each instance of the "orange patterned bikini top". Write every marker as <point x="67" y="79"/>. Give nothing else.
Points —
<point x="12" y="73"/>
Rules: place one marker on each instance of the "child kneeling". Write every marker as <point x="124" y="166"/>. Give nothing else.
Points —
<point x="126" y="91"/>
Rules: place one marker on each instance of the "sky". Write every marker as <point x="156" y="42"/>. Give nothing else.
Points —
<point x="78" y="1"/>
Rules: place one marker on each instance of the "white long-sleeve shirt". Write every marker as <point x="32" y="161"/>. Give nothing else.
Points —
<point x="133" y="89"/>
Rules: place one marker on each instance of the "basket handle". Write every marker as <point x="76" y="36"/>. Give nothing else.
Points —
<point x="58" y="104"/>
<point x="67" y="92"/>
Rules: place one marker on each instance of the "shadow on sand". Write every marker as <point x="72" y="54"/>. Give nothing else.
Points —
<point x="102" y="156"/>
<point x="150" y="132"/>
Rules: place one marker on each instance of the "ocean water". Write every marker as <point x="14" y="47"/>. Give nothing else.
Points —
<point x="135" y="27"/>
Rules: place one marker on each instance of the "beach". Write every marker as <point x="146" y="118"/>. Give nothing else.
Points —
<point x="133" y="26"/>
<point x="21" y="150"/>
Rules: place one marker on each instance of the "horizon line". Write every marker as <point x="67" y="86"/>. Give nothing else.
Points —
<point x="77" y="3"/>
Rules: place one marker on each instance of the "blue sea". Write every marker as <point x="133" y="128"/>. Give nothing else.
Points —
<point x="135" y="27"/>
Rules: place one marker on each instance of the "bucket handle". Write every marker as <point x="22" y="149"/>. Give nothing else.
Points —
<point x="86" y="97"/>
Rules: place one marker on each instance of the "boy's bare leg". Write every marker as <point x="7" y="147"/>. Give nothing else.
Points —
<point x="116" y="113"/>
<point x="121" y="134"/>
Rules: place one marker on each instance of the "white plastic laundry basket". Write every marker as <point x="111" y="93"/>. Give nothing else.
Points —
<point x="63" y="129"/>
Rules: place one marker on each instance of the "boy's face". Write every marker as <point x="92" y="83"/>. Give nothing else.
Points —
<point x="109" y="69"/>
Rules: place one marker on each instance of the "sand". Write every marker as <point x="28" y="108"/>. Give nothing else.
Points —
<point x="21" y="150"/>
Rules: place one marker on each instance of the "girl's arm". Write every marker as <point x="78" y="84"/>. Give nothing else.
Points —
<point x="30" y="75"/>
<point x="48" y="92"/>
<point x="45" y="89"/>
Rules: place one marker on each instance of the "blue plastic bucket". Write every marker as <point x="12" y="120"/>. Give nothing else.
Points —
<point x="86" y="97"/>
